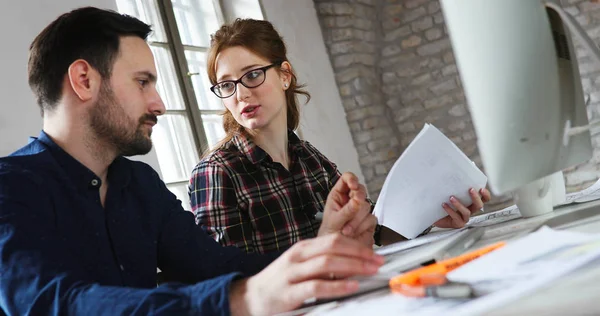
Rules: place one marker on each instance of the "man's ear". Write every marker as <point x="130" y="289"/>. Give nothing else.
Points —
<point x="83" y="79"/>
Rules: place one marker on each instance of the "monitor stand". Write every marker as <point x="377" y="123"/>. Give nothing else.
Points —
<point x="535" y="198"/>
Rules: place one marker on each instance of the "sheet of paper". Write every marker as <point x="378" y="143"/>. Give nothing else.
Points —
<point x="505" y="275"/>
<point x="588" y="194"/>
<point x="427" y="239"/>
<point x="513" y="259"/>
<point x="500" y="216"/>
<point x="385" y="303"/>
<point x="523" y="266"/>
<point x="429" y="171"/>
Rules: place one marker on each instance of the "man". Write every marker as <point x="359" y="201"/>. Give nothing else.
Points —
<point x="82" y="229"/>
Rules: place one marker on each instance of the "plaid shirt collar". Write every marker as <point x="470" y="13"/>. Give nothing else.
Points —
<point x="257" y="155"/>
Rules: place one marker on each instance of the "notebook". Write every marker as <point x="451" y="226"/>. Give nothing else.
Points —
<point x="429" y="171"/>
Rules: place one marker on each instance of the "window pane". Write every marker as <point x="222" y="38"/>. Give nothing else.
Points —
<point x="167" y="85"/>
<point x="146" y="11"/>
<point x="213" y="127"/>
<point x="181" y="191"/>
<point x="175" y="148"/>
<point x="206" y="99"/>
<point x="196" y="20"/>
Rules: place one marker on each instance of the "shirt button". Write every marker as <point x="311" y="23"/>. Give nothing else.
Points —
<point x="95" y="182"/>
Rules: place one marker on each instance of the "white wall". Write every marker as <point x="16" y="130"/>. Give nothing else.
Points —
<point x="20" y="22"/>
<point x="323" y="121"/>
<point x="233" y="9"/>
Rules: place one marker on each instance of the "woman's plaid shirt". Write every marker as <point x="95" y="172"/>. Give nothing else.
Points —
<point x="242" y="198"/>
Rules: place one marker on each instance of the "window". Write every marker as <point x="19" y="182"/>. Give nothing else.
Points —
<point x="180" y="43"/>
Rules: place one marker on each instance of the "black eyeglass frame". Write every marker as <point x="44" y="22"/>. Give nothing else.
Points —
<point x="240" y="80"/>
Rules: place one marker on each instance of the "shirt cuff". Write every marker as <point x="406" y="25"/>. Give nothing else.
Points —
<point x="211" y="297"/>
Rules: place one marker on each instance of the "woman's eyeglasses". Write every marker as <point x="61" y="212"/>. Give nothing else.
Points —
<point x="251" y="79"/>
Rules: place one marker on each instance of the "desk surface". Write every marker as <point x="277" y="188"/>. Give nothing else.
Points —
<point x="575" y="294"/>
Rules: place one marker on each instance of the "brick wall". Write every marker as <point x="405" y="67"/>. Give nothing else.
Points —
<point x="588" y="15"/>
<point x="352" y="33"/>
<point x="395" y="71"/>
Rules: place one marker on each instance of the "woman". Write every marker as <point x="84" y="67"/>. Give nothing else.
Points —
<point x="261" y="188"/>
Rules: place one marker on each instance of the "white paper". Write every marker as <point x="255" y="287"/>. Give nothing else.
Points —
<point x="589" y="194"/>
<point x="511" y="260"/>
<point x="508" y="274"/>
<point x="523" y="266"/>
<point x="390" y="304"/>
<point x="500" y="216"/>
<point x="429" y="171"/>
<point x="407" y="244"/>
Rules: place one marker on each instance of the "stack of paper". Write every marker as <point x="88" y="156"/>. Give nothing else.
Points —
<point x="429" y="171"/>
<point x="523" y="266"/>
<point x="502" y="276"/>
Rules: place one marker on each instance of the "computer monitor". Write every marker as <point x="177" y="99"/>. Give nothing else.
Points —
<point x="521" y="79"/>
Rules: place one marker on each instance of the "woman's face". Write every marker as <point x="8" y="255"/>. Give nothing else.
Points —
<point x="259" y="107"/>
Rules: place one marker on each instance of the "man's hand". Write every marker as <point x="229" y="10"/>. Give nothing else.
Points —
<point x="347" y="211"/>
<point x="459" y="217"/>
<point x="312" y="268"/>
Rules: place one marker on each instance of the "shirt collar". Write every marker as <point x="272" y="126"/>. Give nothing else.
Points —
<point x="81" y="176"/>
<point x="296" y="144"/>
<point x="256" y="154"/>
<point x="252" y="151"/>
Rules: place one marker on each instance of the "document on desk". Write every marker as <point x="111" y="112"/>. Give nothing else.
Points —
<point x="505" y="275"/>
<point x="524" y="266"/>
<point x="497" y="217"/>
<point x="588" y="194"/>
<point x="423" y="240"/>
<point x="429" y="171"/>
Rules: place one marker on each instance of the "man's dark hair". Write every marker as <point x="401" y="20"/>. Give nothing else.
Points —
<point x="86" y="33"/>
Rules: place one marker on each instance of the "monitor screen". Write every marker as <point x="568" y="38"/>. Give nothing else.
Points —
<point x="518" y="67"/>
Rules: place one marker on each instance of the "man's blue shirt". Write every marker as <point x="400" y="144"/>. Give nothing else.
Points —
<point x="61" y="252"/>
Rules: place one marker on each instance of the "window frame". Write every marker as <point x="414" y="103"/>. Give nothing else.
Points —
<point x="164" y="13"/>
<point x="177" y="49"/>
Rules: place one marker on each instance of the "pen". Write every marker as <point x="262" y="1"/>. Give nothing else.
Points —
<point x="413" y="278"/>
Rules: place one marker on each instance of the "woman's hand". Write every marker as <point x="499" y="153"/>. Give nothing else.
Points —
<point x="460" y="214"/>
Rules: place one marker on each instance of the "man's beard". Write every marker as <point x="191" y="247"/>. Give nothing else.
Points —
<point x="110" y="123"/>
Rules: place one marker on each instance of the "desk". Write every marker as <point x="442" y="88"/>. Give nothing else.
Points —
<point x="576" y="294"/>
